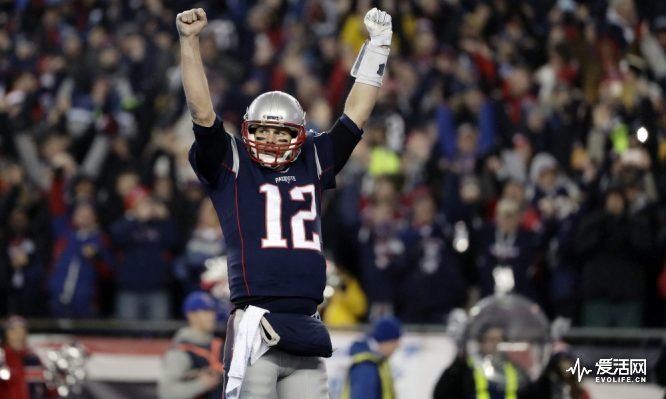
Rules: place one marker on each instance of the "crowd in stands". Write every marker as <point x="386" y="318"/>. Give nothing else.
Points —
<point x="517" y="146"/>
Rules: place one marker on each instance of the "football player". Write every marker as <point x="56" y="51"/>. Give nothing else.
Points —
<point x="267" y="187"/>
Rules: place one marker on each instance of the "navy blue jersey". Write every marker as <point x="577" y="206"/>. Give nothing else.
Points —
<point x="272" y="219"/>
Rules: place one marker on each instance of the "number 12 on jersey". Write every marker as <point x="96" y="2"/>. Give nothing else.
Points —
<point x="274" y="237"/>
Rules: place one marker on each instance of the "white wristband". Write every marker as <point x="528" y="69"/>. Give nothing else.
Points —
<point x="370" y="64"/>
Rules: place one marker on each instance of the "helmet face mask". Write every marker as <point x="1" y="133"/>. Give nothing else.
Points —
<point x="280" y="111"/>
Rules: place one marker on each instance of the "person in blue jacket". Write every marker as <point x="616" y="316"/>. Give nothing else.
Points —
<point x="81" y="260"/>
<point x="370" y="373"/>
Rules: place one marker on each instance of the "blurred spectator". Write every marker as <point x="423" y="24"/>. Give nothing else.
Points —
<point x="614" y="248"/>
<point x="122" y="185"/>
<point x="463" y="201"/>
<point x="653" y="47"/>
<point x="143" y="239"/>
<point x="563" y="268"/>
<point x="204" y="245"/>
<point x="192" y="367"/>
<point x="416" y="157"/>
<point x="370" y="373"/>
<point x="215" y="281"/>
<point x="621" y="18"/>
<point x="507" y="254"/>
<point x="24" y="229"/>
<point x="431" y="282"/>
<point x="466" y="150"/>
<point x="383" y="160"/>
<point x="514" y="160"/>
<point x="463" y="208"/>
<point x="81" y="260"/>
<point x="551" y="193"/>
<point x="26" y="373"/>
<point x="515" y="191"/>
<point x="347" y="305"/>
<point x="22" y="266"/>
<point x="379" y="249"/>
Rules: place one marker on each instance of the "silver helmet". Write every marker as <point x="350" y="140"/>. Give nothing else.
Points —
<point x="508" y="340"/>
<point x="276" y="109"/>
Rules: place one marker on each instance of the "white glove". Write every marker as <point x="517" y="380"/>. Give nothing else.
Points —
<point x="378" y="24"/>
<point x="370" y="63"/>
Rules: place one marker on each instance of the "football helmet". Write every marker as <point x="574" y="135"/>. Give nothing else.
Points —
<point x="280" y="110"/>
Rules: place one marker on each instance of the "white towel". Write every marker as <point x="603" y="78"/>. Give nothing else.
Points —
<point x="248" y="348"/>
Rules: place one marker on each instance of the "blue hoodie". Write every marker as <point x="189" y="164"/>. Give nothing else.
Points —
<point x="73" y="283"/>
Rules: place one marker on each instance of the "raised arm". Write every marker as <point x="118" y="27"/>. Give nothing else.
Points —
<point x="189" y="24"/>
<point x="368" y="69"/>
<point x="211" y="140"/>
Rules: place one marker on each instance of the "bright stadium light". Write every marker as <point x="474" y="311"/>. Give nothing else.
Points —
<point x="642" y="134"/>
<point x="4" y="374"/>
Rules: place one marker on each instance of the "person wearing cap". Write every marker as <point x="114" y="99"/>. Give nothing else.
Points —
<point x="369" y="375"/>
<point x="192" y="367"/>
<point x="23" y="373"/>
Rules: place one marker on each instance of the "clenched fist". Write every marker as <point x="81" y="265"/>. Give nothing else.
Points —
<point x="191" y="22"/>
<point x="379" y="26"/>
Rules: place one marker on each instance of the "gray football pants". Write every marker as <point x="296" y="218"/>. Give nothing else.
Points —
<point x="278" y="374"/>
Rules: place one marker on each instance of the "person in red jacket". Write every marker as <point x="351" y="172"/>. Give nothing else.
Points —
<point x="26" y="374"/>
